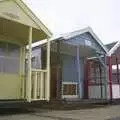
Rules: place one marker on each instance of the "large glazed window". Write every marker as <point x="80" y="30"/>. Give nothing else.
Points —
<point x="9" y="58"/>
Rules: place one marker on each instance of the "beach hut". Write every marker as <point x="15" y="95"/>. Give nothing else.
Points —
<point x="78" y="66"/>
<point x="114" y="69"/>
<point x="20" y="27"/>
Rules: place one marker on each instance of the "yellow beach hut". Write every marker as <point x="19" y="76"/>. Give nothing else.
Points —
<point x="20" y="27"/>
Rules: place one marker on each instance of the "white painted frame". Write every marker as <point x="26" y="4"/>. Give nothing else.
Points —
<point x="70" y="96"/>
<point x="112" y="50"/>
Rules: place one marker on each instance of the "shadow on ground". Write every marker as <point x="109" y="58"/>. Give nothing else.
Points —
<point x="12" y="111"/>
<point x="66" y="106"/>
<point x="116" y="118"/>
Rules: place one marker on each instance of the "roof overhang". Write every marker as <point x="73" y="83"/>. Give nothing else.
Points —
<point x="114" y="48"/>
<point x="76" y="33"/>
<point x="15" y="19"/>
<point x="88" y="29"/>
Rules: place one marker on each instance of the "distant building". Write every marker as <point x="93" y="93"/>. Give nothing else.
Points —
<point x="78" y="66"/>
<point x="114" y="68"/>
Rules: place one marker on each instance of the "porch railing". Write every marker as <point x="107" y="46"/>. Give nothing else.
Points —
<point x="38" y="84"/>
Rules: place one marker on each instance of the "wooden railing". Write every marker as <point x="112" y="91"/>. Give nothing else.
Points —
<point x="38" y="84"/>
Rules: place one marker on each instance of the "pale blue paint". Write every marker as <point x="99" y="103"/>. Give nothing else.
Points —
<point x="70" y="71"/>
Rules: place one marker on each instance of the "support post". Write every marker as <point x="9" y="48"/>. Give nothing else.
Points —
<point x="42" y="92"/>
<point x="117" y="70"/>
<point x="48" y="71"/>
<point x="22" y="64"/>
<point x="106" y="76"/>
<point x="101" y="84"/>
<point x="87" y="80"/>
<point x="110" y="76"/>
<point x="78" y="69"/>
<point x="21" y="71"/>
<point x="58" y="79"/>
<point x="35" y="85"/>
<point x="29" y="66"/>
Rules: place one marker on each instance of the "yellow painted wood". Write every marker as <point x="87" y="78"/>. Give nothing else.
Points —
<point x="29" y="66"/>
<point x="41" y="85"/>
<point x="18" y="12"/>
<point x="35" y="86"/>
<point x="39" y="70"/>
<point x="22" y="71"/>
<point x="38" y="99"/>
<point x="20" y="68"/>
<point x="12" y="11"/>
<point x="15" y="19"/>
<point x="10" y="86"/>
<point x="9" y="39"/>
<point x="34" y="18"/>
<point x="48" y="71"/>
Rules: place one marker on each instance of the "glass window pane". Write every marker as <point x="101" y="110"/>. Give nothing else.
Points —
<point x="13" y="50"/>
<point x="9" y="58"/>
<point x="11" y="66"/>
<point x="3" y="49"/>
<point x="1" y="63"/>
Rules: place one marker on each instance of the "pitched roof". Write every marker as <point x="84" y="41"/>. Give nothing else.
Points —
<point x="114" y="48"/>
<point x="74" y="34"/>
<point x="34" y="17"/>
<point x="23" y="10"/>
<point x="81" y="31"/>
<point x="110" y="45"/>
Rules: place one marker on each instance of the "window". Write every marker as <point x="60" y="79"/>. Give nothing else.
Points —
<point x="9" y="58"/>
<point x="115" y="74"/>
<point x="33" y="62"/>
<point x="36" y="62"/>
<point x="13" y="50"/>
<point x="69" y="88"/>
<point x="97" y="74"/>
<point x="88" y="43"/>
<point x="2" y="49"/>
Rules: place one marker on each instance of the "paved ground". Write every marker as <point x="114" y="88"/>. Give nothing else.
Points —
<point x="103" y="113"/>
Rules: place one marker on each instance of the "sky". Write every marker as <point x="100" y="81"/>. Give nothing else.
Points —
<point x="63" y="16"/>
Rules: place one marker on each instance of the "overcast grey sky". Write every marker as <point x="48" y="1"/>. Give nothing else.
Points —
<point x="62" y="16"/>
